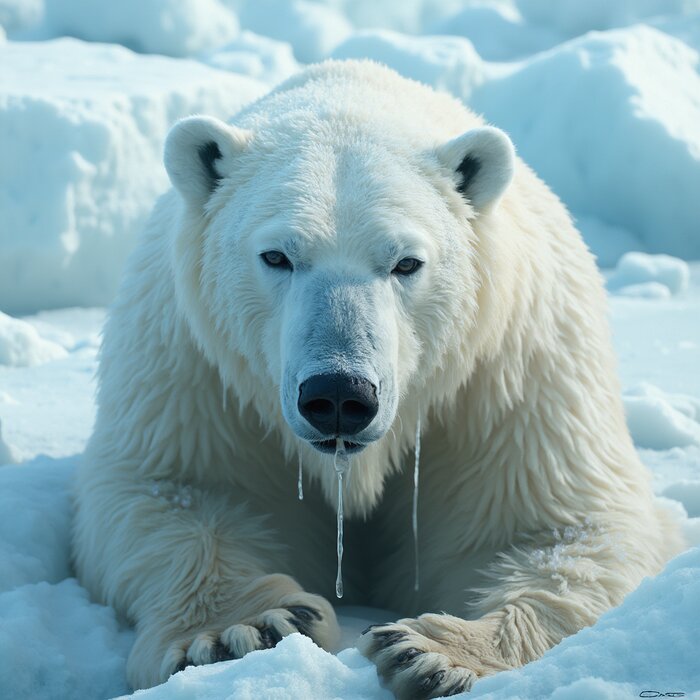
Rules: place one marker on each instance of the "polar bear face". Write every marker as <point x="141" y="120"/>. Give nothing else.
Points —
<point x="332" y="273"/>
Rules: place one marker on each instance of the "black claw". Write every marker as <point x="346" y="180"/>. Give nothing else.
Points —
<point x="371" y="627"/>
<point x="458" y="687"/>
<point x="301" y="626"/>
<point x="269" y="636"/>
<point x="431" y="682"/>
<point x="303" y="612"/>
<point x="221" y="653"/>
<point x="389" y="638"/>
<point x="408" y="655"/>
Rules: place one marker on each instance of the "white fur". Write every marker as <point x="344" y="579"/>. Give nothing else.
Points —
<point x="535" y="512"/>
<point x="182" y="159"/>
<point x="494" y="151"/>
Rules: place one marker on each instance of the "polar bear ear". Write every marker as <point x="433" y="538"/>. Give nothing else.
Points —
<point x="483" y="160"/>
<point x="199" y="153"/>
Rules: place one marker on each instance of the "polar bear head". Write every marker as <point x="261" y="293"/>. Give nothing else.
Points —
<point x="327" y="268"/>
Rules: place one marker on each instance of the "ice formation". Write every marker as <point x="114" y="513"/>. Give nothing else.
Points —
<point x="341" y="463"/>
<point x="300" y="481"/>
<point x="414" y="519"/>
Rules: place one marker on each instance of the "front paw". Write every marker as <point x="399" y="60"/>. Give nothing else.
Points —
<point x="432" y="656"/>
<point x="309" y="614"/>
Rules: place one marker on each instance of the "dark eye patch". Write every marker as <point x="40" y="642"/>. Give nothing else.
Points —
<point x="407" y="266"/>
<point x="273" y="258"/>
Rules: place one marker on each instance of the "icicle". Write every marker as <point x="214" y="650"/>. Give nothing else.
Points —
<point x="416" y="468"/>
<point x="300" y="483"/>
<point x="340" y="463"/>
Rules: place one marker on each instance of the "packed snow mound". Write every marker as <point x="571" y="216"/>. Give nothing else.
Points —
<point x="7" y="454"/>
<point x="660" y="422"/>
<point x="688" y="494"/>
<point x="447" y="63"/>
<point x="498" y="31"/>
<point x="313" y="29"/>
<point x="22" y="346"/>
<point x="80" y="654"/>
<point x="71" y="647"/>
<point x="645" y="290"/>
<point x="170" y="27"/>
<point x="410" y="16"/>
<point x="573" y="17"/>
<point x="39" y="415"/>
<point x="296" y="669"/>
<point x="20" y="15"/>
<point x="81" y="132"/>
<point x="35" y="521"/>
<point x="636" y="269"/>
<point x="603" y="120"/>
<point x="257" y="56"/>
<point x="686" y="27"/>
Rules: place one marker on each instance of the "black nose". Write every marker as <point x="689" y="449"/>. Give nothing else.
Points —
<point x="338" y="404"/>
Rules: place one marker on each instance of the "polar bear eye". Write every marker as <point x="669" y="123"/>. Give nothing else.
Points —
<point x="273" y="258"/>
<point x="407" y="266"/>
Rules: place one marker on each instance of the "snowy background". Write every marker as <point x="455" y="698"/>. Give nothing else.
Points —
<point x="601" y="97"/>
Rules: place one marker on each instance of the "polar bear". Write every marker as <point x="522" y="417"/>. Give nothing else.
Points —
<point x="358" y="255"/>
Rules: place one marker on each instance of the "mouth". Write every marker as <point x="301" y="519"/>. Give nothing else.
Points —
<point x="328" y="446"/>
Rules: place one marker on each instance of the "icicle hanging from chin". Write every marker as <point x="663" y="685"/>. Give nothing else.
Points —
<point x="414" y="518"/>
<point x="341" y="463"/>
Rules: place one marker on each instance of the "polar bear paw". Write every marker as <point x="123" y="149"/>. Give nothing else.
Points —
<point x="308" y="614"/>
<point x="433" y="655"/>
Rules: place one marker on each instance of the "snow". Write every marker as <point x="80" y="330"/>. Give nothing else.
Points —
<point x="602" y="120"/>
<point x="18" y="15"/>
<point x="35" y="518"/>
<point x="609" y="243"/>
<point x="573" y="17"/>
<point x="7" y="453"/>
<point x="170" y="27"/>
<point x="22" y="346"/>
<point x="634" y="269"/>
<point x="658" y="341"/>
<point x="312" y="29"/>
<point x="295" y="670"/>
<point x="57" y="644"/>
<point x="498" y="31"/>
<point x="94" y="116"/>
<point x="259" y="57"/>
<point x="686" y="492"/>
<point x="447" y="63"/>
<point x="658" y="422"/>
<point x="58" y="421"/>
<point x="601" y="98"/>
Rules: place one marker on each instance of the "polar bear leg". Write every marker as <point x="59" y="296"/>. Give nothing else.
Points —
<point x="195" y="577"/>
<point x="537" y="595"/>
<point x="433" y="655"/>
<point x="264" y="614"/>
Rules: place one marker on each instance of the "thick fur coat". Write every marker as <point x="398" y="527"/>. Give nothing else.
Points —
<point x="281" y="254"/>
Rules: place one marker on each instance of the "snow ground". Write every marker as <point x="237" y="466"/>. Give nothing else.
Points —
<point x="601" y="97"/>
